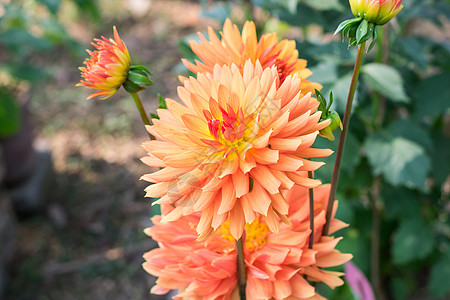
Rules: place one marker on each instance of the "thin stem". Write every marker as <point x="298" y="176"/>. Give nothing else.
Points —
<point x="375" y="245"/>
<point x="242" y="276"/>
<point x="140" y="107"/>
<point x="311" y="212"/>
<point x="342" y="137"/>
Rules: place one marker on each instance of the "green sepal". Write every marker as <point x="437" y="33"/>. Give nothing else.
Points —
<point x="322" y="102"/>
<point x="361" y="32"/>
<point x="138" y="78"/>
<point x="132" y="87"/>
<point x="347" y="24"/>
<point x="161" y="105"/>
<point x="374" y="38"/>
<point x="140" y="68"/>
<point x="161" y="102"/>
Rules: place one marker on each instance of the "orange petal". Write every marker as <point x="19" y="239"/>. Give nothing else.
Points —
<point x="263" y="175"/>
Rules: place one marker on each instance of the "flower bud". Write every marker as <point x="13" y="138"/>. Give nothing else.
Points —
<point x="327" y="132"/>
<point x="107" y="68"/>
<point x="378" y="12"/>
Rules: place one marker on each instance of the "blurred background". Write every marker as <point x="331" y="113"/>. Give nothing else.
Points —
<point x="72" y="210"/>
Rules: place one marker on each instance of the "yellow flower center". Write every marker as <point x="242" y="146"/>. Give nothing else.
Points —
<point x="256" y="234"/>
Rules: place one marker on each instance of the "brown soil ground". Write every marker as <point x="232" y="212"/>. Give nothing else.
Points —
<point x="89" y="241"/>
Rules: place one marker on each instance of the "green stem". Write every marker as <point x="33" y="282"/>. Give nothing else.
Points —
<point x="242" y="276"/>
<point x="311" y="212"/>
<point x="375" y="243"/>
<point x="342" y="137"/>
<point x="140" y="107"/>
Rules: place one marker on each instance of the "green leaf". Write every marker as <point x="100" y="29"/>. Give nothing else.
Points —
<point x="440" y="161"/>
<point x="325" y="72"/>
<point x="400" y="203"/>
<point x="9" y="114"/>
<point x="432" y="96"/>
<point x="440" y="274"/>
<point x="385" y="80"/>
<point x="400" y="161"/>
<point x="412" y="241"/>
<point x="340" y="92"/>
<point x="402" y="287"/>
<point x="411" y="131"/>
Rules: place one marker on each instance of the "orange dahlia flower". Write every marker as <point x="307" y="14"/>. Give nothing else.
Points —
<point x="107" y="68"/>
<point x="236" y="48"/>
<point x="238" y="141"/>
<point x="278" y="266"/>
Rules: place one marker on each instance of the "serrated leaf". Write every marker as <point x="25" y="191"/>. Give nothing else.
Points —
<point x="440" y="274"/>
<point x="385" y="80"/>
<point x="412" y="241"/>
<point x="400" y="161"/>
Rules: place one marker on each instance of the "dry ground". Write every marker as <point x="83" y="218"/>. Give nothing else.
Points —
<point x="88" y="244"/>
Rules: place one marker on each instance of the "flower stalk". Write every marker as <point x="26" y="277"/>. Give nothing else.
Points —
<point x="142" y="112"/>
<point x="311" y="212"/>
<point x="343" y="135"/>
<point x="242" y="276"/>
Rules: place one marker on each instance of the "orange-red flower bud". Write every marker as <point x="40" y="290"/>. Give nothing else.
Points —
<point x="378" y="12"/>
<point x="107" y="68"/>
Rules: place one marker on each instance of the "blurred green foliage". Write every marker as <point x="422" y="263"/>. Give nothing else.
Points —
<point x="399" y="136"/>
<point x="30" y="29"/>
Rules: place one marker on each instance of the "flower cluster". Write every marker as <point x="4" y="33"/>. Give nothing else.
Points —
<point x="238" y="141"/>
<point x="279" y="266"/>
<point x="234" y="157"/>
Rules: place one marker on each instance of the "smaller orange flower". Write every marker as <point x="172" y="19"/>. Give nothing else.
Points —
<point x="236" y="48"/>
<point x="278" y="266"/>
<point x="107" y="68"/>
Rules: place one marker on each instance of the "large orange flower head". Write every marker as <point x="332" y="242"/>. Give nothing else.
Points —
<point x="107" y="68"/>
<point x="237" y="141"/>
<point x="278" y="266"/>
<point x="236" y="48"/>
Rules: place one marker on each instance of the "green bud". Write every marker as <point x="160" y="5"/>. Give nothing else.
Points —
<point x="327" y="132"/>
